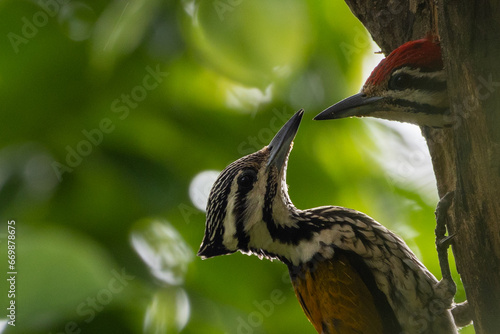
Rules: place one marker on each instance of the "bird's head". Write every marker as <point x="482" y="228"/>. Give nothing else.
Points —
<point x="243" y="193"/>
<point x="409" y="86"/>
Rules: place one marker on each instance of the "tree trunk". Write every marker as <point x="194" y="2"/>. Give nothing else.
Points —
<point x="466" y="157"/>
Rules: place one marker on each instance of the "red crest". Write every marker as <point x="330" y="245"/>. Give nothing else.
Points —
<point x="423" y="53"/>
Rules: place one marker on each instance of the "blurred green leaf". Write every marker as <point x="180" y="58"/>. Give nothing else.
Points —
<point x="60" y="275"/>
<point x="252" y="42"/>
<point x="120" y="30"/>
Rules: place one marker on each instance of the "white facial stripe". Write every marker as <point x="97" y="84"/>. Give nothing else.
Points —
<point x="437" y="99"/>
<point x="228" y="239"/>
<point x="415" y="72"/>
<point x="255" y="200"/>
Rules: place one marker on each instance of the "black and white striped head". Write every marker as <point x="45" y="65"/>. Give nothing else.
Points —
<point x="242" y="193"/>
<point x="407" y="86"/>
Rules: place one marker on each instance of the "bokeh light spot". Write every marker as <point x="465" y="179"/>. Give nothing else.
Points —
<point x="168" y="311"/>
<point x="200" y="187"/>
<point x="77" y="20"/>
<point x="163" y="250"/>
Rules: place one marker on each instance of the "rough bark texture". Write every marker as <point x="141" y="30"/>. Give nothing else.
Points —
<point x="466" y="157"/>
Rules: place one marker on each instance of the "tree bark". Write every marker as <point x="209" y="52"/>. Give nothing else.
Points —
<point x="466" y="156"/>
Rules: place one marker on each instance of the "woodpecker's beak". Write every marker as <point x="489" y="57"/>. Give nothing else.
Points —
<point x="282" y="142"/>
<point x="356" y="105"/>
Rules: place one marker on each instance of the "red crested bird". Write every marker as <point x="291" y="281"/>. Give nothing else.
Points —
<point x="350" y="273"/>
<point x="407" y="86"/>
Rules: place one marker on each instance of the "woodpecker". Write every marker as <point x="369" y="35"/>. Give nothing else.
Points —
<point x="349" y="273"/>
<point x="407" y="86"/>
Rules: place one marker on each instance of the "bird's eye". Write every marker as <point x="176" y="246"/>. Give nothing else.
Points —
<point x="400" y="81"/>
<point x="247" y="178"/>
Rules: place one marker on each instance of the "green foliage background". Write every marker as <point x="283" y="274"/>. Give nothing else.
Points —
<point x="228" y="75"/>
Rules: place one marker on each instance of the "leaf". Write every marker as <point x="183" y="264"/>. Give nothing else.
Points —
<point x="59" y="275"/>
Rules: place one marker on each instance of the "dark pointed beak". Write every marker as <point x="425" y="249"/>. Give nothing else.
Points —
<point x="356" y="105"/>
<point x="282" y="142"/>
